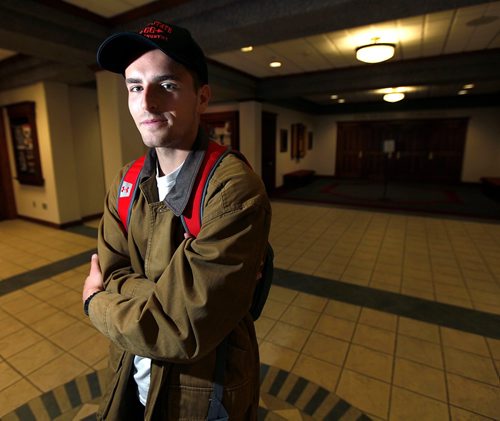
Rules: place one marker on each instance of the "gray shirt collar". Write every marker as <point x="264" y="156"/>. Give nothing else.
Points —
<point x="178" y="197"/>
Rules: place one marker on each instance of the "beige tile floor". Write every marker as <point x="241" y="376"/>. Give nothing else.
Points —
<point x="389" y="366"/>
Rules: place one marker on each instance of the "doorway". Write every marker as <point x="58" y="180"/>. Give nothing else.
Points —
<point x="268" y="169"/>
<point x="7" y="199"/>
<point x="427" y="150"/>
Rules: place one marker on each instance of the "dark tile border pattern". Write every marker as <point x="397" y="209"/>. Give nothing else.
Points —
<point x="455" y="317"/>
<point x="65" y="401"/>
<point x="88" y="388"/>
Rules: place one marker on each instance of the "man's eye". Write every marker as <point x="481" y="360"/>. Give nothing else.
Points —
<point x="169" y="86"/>
<point x="135" y="88"/>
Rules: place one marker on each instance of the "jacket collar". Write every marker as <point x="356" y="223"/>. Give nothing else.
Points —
<point x="178" y="197"/>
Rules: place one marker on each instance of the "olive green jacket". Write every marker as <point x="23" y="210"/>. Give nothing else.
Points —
<point x="174" y="299"/>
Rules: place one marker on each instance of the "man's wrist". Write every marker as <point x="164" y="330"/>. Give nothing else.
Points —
<point x="88" y="299"/>
<point x="90" y="291"/>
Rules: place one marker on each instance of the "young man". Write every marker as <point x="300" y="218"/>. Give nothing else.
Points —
<point x="166" y="300"/>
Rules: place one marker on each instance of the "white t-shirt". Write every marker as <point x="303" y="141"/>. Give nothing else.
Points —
<point x="142" y="365"/>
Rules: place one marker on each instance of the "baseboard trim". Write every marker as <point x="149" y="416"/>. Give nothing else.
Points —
<point x="60" y="226"/>
<point x="92" y="217"/>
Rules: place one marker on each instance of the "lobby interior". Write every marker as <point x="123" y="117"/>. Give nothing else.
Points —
<point x="374" y="314"/>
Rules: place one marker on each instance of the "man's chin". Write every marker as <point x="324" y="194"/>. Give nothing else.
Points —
<point x="156" y="142"/>
<point x="181" y="143"/>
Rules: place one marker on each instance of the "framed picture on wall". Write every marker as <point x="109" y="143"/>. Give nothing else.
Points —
<point x="25" y="143"/>
<point x="298" y="146"/>
<point x="283" y="140"/>
<point x="223" y="128"/>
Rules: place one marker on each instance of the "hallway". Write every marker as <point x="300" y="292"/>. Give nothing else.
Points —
<point x="391" y="315"/>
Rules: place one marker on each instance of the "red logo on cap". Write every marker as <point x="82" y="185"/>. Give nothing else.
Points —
<point x="157" y="30"/>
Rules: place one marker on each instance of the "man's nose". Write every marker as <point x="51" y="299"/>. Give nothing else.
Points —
<point x="151" y="99"/>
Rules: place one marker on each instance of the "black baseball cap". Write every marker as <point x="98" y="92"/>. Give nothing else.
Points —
<point x="120" y="49"/>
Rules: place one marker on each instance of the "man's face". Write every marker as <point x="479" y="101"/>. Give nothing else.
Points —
<point x="163" y="101"/>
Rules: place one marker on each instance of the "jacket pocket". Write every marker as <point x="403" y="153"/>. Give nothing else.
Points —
<point x="190" y="387"/>
<point x="187" y="403"/>
<point x="192" y="403"/>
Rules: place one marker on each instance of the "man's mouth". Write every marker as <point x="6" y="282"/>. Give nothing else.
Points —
<point x="153" y="121"/>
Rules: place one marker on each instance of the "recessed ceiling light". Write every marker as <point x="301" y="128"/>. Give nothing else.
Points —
<point x="334" y="96"/>
<point x="468" y="86"/>
<point x="394" y="96"/>
<point x="462" y="92"/>
<point x="341" y="100"/>
<point x="247" y="49"/>
<point x="275" y="64"/>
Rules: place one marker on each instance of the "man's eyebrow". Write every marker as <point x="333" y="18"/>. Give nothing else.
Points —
<point x="159" y="78"/>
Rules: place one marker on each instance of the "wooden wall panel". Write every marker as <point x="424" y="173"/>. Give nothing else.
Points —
<point x="425" y="150"/>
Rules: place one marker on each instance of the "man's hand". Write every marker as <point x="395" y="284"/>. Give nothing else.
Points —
<point x="94" y="281"/>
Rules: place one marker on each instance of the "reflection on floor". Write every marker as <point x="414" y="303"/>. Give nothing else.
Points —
<point x="467" y="200"/>
<point x="394" y="315"/>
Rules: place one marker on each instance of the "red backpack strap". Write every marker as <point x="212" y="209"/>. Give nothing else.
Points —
<point x="191" y="218"/>
<point x="127" y="189"/>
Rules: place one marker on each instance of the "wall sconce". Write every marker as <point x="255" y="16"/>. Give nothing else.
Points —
<point x="376" y="52"/>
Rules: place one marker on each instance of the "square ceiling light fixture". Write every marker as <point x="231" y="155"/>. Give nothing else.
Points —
<point x="375" y="52"/>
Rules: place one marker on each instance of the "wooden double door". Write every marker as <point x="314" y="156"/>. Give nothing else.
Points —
<point x="407" y="150"/>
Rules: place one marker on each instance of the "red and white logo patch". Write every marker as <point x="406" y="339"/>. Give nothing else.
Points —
<point x="157" y="30"/>
<point x="126" y="189"/>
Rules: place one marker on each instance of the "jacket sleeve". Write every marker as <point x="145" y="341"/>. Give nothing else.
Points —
<point x="206" y="289"/>
<point x="114" y="257"/>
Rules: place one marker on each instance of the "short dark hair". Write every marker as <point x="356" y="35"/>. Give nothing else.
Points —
<point x="196" y="79"/>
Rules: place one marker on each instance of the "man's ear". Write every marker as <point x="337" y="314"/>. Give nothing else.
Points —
<point x="204" y="95"/>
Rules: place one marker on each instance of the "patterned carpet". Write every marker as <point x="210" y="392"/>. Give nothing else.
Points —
<point x="448" y="199"/>
<point x="284" y="396"/>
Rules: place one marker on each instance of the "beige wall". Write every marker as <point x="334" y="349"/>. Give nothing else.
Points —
<point x="482" y="149"/>
<point x="284" y="162"/>
<point x="88" y="150"/>
<point x="250" y="113"/>
<point x="251" y="132"/>
<point x="121" y="141"/>
<point x="482" y="145"/>
<point x="74" y="160"/>
<point x="61" y="115"/>
<point x="250" y="117"/>
<point x="63" y="153"/>
<point x="481" y="154"/>
<point x="39" y="202"/>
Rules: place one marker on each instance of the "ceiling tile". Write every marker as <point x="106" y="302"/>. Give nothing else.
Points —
<point x="434" y="34"/>
<point x="108" y="8"/>
<point x="6" y="54"/>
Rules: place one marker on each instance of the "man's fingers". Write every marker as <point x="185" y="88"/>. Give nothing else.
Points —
<point x="94" y="265"/>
